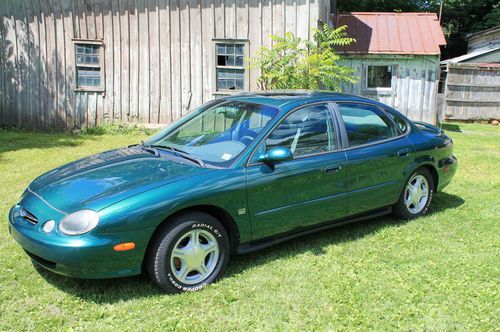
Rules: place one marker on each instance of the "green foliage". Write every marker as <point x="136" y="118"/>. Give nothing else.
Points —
<point x="294" y="63"/>
<point x="115" y="128"/>
<point x="386" y="5"/>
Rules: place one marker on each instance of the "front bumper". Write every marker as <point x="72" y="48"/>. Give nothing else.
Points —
<point x="89" y="256"/>
<point x="447" y="168"/>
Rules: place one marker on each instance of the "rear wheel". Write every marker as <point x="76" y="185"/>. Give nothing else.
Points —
<point x="190" y="252"/>
<point x="416" y="196"/>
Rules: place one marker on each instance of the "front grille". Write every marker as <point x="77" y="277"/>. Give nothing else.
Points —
<point x="26" y="215"/>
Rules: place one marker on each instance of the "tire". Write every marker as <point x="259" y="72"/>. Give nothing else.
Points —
<point x="190" y="252"/>
<point x="414" y="203"/>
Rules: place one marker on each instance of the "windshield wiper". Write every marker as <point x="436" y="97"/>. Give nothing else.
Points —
<point x="179" y="152"/>
<point x="147" y="148"/>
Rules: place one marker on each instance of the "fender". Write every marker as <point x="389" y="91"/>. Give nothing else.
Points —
<point x="423" y="160"/>
<point x="419" y="162"/>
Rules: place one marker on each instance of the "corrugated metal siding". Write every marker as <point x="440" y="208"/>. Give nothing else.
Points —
<point x="159" y="56"/>
<point x="392" y="33"/>
<point x="485" y="39"/>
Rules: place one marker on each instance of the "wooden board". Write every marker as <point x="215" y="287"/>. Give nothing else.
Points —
<point x="472" y="92"/>
<point x="158" y="61"/>
<point x="414" y="90"/>
<point x="165" y="77"/>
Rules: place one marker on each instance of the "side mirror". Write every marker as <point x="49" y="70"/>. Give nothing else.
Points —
<point x="276" y="155"/>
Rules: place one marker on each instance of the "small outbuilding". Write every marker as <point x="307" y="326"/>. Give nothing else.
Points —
<point x="396" y="56"/>
<point x="472" y="81"/>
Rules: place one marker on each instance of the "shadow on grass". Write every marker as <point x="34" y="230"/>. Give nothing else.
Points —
<point x="123" y="289"/>
<point x="17" y="139"/>
<point x="451" y="127"/>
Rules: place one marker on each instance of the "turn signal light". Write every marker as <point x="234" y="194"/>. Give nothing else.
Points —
<point x="124" y="246"/>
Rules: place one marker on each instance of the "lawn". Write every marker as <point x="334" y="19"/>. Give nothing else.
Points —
<point x="439" y="272"/>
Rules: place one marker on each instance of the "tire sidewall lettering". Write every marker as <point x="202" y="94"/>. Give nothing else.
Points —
<point x="186" y="288"/>
<point x="207" y="227"/>
<point x="429" y="199"/>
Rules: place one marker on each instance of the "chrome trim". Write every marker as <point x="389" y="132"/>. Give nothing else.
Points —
<point x="43" y="200"/>
<point x="348" y="148"/>
<point x="327" y="103"/>
<point x="312" y="201"/>
<point x="28" y="216"/>
<point x="339" y="124"/>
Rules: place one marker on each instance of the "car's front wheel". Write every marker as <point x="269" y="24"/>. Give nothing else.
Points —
<point x="416" y="196"/>
<point x="188" y="253"/>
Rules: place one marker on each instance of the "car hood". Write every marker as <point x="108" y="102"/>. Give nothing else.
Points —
<point x="100" y="180"/>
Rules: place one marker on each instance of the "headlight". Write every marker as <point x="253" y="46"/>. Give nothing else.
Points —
<point x="79" y="222"/>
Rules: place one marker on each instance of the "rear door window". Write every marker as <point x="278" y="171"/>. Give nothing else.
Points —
<point x="365" y="124"/>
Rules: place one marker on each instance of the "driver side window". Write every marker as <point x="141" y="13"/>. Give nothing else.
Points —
<point x="305" y="132"/>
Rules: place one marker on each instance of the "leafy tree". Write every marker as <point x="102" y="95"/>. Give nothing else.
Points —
<point x="294" y="63"/>
<point x="386" y="5"/>
<point x="492" y="19"/>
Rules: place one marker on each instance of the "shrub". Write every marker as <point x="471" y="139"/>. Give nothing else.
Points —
<point x="294" y="63"/>
<point x="115" y="128"/>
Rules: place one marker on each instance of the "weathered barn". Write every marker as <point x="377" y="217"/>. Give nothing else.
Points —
<point x="397" y="58"/>
<point x="75" y="63"/>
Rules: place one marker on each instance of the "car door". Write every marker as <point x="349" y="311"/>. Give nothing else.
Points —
<point x="310" y="189"/>
<point x="377" y="154"/>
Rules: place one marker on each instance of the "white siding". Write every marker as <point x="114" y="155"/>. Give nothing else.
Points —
<point x="414" y="91"/>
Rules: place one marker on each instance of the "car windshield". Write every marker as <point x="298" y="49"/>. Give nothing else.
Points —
<point x="219" y="134"/>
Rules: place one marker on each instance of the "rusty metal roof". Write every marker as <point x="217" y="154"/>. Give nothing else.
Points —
<point x="392" y="33"/>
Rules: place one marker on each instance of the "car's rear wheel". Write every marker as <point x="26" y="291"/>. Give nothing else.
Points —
<point x="188" y="253"/>
<point x="416" y="196"/>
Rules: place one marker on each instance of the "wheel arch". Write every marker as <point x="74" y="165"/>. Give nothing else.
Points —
<point x="429" y="165"/>
<point x="435" y="177"/>
<point x="217" y="212"/>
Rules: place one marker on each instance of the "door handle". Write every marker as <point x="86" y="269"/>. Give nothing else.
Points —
<point x="332" y="168"/>
<point x="403" y="153"/>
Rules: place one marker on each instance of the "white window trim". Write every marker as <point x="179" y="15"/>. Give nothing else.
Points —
<point x="381" y="90"/>
<point x="246" y="56"/>
<point x="102" y="87"/>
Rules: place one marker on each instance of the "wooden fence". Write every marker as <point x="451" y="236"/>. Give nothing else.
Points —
<point x="472" y="92"/>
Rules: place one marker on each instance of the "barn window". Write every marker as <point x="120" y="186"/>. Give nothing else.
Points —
<point x="230" y="69"/>
<point x="379" y="77"/>
<point x="89" y="65"/>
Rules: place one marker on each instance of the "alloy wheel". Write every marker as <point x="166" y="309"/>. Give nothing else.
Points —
<point x="194" y="256"/>
<point x="416" y="194"/>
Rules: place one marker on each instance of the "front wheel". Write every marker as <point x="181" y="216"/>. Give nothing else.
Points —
<point x="187" y="254"/>
<point x="416" y="196"/>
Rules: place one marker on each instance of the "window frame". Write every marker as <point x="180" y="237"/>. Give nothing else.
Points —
<point x="207" y="106"/>
<point x="343" y="130"/>
<point x="394" y="114"/>
<point x="101" y="65"/>
<point x="336" y="127"/>
<point x="246" y="72"/>
<point x="381" y="90"/>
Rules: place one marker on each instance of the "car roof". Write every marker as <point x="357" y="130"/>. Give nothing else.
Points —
<point x="288" y="99"/>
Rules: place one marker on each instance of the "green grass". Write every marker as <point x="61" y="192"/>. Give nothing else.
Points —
<point x="440" y="272"/>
